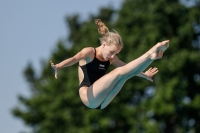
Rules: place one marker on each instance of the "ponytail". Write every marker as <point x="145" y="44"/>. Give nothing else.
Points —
<point x="108" y="37"/>
<point x="102" y="29"/>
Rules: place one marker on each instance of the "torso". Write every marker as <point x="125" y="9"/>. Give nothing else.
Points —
<point x="83" y="90"/>
<point x="91" y="61"/>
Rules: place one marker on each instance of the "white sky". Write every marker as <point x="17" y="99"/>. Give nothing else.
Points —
<point x="29" y="30"/>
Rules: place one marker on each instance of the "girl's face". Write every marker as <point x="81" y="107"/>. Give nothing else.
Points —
<point x="109" y="51"/>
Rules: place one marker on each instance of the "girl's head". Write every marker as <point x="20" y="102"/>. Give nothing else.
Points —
<point x="110" y="40"/>
<point x="107" y="36"/>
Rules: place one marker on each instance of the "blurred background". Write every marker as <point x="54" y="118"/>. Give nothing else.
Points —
<point x="34" y="32"/>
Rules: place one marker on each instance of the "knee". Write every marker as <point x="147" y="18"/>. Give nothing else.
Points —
<point x="119" y="72"/>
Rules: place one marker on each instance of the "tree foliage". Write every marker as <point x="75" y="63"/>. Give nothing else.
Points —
<point x="169" y="104"/>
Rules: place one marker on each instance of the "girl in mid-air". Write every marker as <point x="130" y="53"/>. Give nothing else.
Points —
<point x="97" y="89"/>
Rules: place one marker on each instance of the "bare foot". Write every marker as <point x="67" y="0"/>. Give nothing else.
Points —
<point x="157" y="51"/>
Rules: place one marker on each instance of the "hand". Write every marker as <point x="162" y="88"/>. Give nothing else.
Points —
<point x="150" y="73"/>
<point x="56" y="68"/>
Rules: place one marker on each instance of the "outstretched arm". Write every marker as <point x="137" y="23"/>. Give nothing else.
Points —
<point x="84" y="53"/>
<point x="147" y="75"/>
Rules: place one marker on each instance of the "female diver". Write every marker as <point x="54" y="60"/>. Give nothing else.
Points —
<point x="97" y="89"/>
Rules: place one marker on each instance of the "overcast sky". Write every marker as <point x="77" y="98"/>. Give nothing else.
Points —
<point x="29" y="30"/>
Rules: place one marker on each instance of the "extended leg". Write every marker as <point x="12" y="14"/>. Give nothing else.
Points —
<point x="121" y="83"/>
<point x="97" y="92"/>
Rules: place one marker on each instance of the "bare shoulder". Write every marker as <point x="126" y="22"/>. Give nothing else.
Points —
<point x="84" y="53"/>
<point x="87" y="51"/>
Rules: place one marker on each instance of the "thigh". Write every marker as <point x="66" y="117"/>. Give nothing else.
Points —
<point x="97" y="92"/>
<point x="116" y="89"/>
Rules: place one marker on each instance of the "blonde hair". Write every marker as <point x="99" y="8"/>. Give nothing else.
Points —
<point x="107" y="36"/>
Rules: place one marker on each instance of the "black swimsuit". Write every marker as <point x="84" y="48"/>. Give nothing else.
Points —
<point x="93" y="71"/>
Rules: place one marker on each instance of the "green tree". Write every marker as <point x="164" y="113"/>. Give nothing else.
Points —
<point x="169" y="104"/>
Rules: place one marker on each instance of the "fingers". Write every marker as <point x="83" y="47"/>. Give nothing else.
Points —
<point x="56" y="74"/>
<point x="156" y="71"/>
<point x="153" y="70"/>
<point x="56" y="71"/>
<point x="52" y="64"/>
<point x="150" y="69"/>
